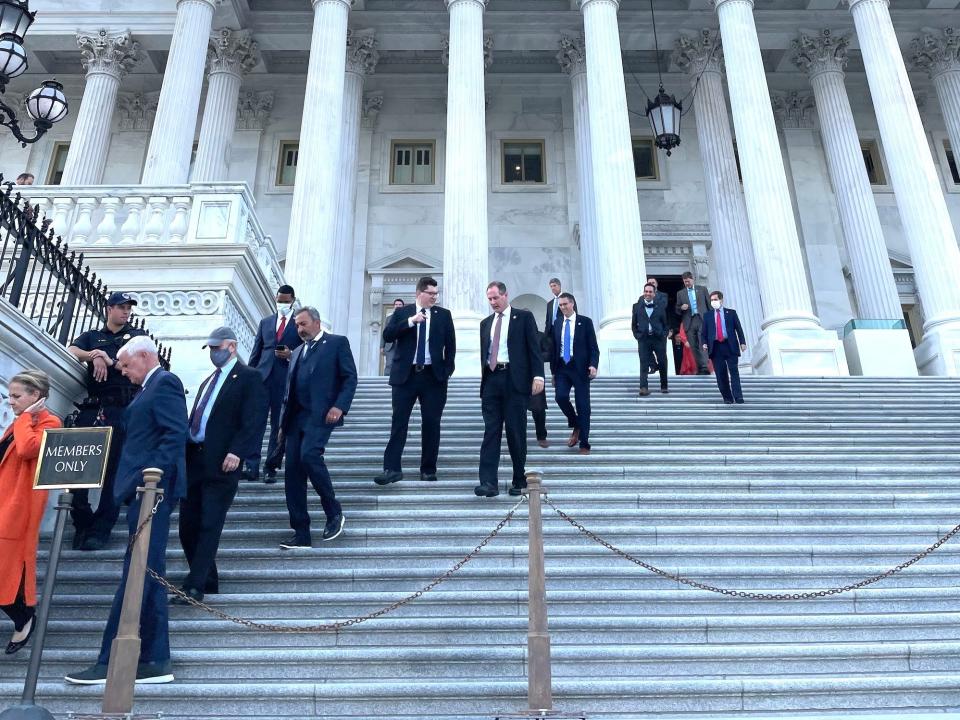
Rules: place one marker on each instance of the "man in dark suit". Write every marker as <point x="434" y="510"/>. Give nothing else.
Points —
<point x="155" y="424"/>
<point x="275" y="342"/>
<point x="692" y="303"/>
<point x="574" y="362"/>
<point x="553" y="307"/>
<point x="661" y="299"/>
<point x="224" y="427"/>
<point x="389" y="349"/>
<point x="512" y="371"/>
<point x="423" y="362"/>
<point x="723" y="341"/>
<point x="650" y="329"/>
<point x="320" y="388"/>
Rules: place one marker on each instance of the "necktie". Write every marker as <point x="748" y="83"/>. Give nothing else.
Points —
<point x="555" y="303"/>
<point x="283" y="326"/>
<point x="566" y="341"/>
<point x="720" y="337"/>
<point x="421" y="358"/>
<point x="693" y="301"/>
<point x="202" y="405"/>
<point x="495" y="343"/>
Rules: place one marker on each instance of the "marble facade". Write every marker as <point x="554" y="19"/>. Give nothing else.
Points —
<point x="533" y="232"/>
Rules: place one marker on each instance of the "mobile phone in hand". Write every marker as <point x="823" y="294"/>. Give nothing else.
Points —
<point x="282" y="348"/>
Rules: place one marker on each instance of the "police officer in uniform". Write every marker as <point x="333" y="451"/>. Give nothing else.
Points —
<point x="108" y="393"/>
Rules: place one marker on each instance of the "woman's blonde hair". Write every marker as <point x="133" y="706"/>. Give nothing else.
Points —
<point x="33" y="380"/>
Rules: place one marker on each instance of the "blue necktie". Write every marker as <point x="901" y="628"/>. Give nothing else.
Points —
<point x="566" y="341"/>
<point x="555" y="303"/>
<point x="421" y="358"/>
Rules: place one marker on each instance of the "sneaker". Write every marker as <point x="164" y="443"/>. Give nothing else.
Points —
<point x="334" y="528"/>
<point x="154" y="673"/>
<point x="296" y="543"/>
<point x="94" y="675"/>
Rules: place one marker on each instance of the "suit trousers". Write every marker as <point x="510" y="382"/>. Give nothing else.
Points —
<point x="503" y="406"/>
<point x="85" y="520"/>
<point x="202" y="515"/>
<point x="305" y="461"/>
<point x="727" y="370"/>
<point x="538" y="409"/>
<point x="276" y="386"/>
<point x="647" y="346"/>
<point x="154" y="630"/>
<point x="432" y="394"/>
<point x="695" y="338"/>
<point x="565" y="380"/>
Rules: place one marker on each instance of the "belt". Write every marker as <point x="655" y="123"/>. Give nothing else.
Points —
<point x="420" y="368"/>
<point x="501" y="366"/>
<point x="198" y="447"/>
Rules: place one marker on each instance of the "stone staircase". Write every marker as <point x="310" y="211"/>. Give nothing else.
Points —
<point x="812" y="484"/>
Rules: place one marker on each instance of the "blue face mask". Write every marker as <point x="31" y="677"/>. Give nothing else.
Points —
<point x="219" y="356"/>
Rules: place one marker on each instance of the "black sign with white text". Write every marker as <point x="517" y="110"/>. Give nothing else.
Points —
<point x="73" y="458"/>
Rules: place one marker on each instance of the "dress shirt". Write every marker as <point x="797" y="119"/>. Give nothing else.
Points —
<point x="309" y="344"/>
<point x="224" y="374"/>
<point x="556" y="308"/>
<point x="146" y="379"/>
<point x="503" y="354"/>
<point x="426" y="328"/>
<point x="692" y="294"/>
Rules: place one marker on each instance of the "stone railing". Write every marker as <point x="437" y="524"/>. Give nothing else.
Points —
<point x="124" y="215"/>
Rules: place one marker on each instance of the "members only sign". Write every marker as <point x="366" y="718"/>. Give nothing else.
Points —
<point x="73" y="458"/>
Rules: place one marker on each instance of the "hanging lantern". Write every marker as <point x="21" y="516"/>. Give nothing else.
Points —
<point x="664" y="113"/>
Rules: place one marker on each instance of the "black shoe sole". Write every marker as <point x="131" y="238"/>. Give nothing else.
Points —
<point x="485" y="492"/>
<point x="384" y="480"/>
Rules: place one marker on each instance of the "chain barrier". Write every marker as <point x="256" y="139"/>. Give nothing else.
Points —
<point x="743" y="593"/>
<point x="339" y="624"/>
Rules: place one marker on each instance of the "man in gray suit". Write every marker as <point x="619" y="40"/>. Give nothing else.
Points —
<point x="692" y="303"/>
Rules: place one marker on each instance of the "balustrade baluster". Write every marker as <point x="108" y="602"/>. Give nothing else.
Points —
<point x="179" y="225"/>
<point x="130" y="230"/>
<point x="107" y="229"/>
<point x="84" y="224"/>
<point x="155" y="226"/>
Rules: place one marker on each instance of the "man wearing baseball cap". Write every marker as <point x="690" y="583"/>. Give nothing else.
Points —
<point x="108" y="393"/>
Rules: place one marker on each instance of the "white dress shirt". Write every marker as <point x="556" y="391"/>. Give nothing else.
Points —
<point x="288" y="315"/>
<point x="425" y="327"/>
<point x="503" y="354"/>
<point x="224" y="374"/>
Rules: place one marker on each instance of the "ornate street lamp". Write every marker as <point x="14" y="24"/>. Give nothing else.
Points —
<point x="47" y="104"/>
<point x="664" y="112"/>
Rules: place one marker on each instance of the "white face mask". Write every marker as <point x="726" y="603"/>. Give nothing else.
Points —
<point x="715" y="304"/>
<point x="284" y="308"/>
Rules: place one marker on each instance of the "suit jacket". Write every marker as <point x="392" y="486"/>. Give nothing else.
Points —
<point x="703" y="304"/>
<point x="234" y="425"/>
<point x="735" y="337"/>
<point x="263" y="356"/>
<point x="548" y="322"/>
<point x="442" y="343"/>
<point x="155" y="435"/>
<point x="329" y="379"/>
<point x="658" y="321"/>
<point x="523" y="344"/>
<point x="585" y="352"/>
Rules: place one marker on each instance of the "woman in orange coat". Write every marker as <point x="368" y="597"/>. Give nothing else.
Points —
<point x="21" y="507"/>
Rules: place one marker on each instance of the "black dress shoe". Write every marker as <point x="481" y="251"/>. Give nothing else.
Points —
<point x="297" y="543"/>
<point x="514" y="490"/>
<point x="428" y="477"/>
<point x="270" y="478"/>
<point x="191" y="592"/>
<point x="249" y="475"/>
<point x="388" y="476"/>
<point x="78" y="537"/>
<point x="333" y="528"/>
<point x="728" y="402"/>
<point x="13" y="647"/>
<point x="486" y="491"/>
<point x="92" y="543"/>
<point x="739" y="402"/>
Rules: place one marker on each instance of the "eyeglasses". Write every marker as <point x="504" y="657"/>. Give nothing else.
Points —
<point x="433" y="293"/>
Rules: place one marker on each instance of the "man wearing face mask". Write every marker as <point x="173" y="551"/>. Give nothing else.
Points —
<point x="275" y="342"/>
<point x="650" y="329"/>
<point x="224" y="427"/>
<point x="723" y="341"/>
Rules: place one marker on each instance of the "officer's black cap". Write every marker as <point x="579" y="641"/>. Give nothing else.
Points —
<point x="119" y="298"/>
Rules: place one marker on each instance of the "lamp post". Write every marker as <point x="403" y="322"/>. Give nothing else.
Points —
<point x="47" y="104"/>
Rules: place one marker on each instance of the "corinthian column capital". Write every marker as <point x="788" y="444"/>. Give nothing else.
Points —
<point x="699" y="55"/>
<point x="113" y="54"/>
<point x="937" y="52"/>
<point x="793" y="109"/>
<point x="362" y="54"/>
<point x="232" y="51"/>
<point x="572" y="55"/>
<point x="823" y="52"/>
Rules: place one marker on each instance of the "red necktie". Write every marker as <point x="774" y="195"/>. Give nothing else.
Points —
<point x="720" y="337"/>
<point x="283" y="326"/>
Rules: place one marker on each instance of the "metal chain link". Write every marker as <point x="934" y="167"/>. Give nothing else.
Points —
<point x="742" y="593"/>
<point x="339" y="624"/>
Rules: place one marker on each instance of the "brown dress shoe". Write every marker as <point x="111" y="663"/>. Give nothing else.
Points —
<point x="574" y="437"/>
<point x="644" y="392"/>
<point x="584" y="451"/>
<point x="543" y="443"/>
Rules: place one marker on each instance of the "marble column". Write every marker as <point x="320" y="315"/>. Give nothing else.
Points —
<point x="619" y="240"/>
<point x="313" y="216"/>
<point x="939" y="55"/>
<point x="231" y="55"/>
<point x="465" y="240"/>
<point x="923" y="210"/>
<point x="702" y="60"/>
<point x="792" y="341"/>
<point x="107" y="57"/>
<point x="171" y="143"/>
<point x="362" y="57"/>
<point x="573" y="61"/>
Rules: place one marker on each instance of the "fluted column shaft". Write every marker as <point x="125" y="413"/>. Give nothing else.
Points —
<point x="729" y="228"/>
<point x="939" y="54"/>
<point x="572" y="58"/>
<point x="107" y="58"/>
<point x="923" y="211"/>
<point x="619" y="241"/>
<point x="947" y="85"/>
<point x="873" y="282"/>
<point x="230" y="55"/>
<point x="465" y="239"/>
<point x="313" y="216"/>
<point x="171" y="143"/>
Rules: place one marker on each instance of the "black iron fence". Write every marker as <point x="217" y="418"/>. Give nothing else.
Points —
<point x="46" y="280"/>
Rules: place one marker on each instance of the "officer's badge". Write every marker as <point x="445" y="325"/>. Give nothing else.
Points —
<point x="127" y="336"/>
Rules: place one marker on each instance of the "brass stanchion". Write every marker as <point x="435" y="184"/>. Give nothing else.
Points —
<point x="539" y="674"/>
<point x="125" y="650"/>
